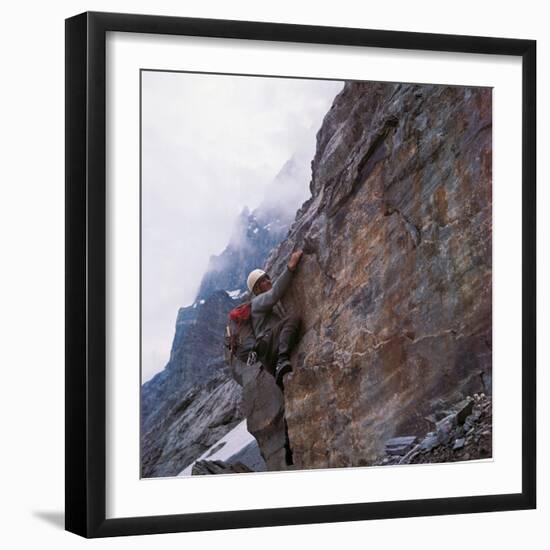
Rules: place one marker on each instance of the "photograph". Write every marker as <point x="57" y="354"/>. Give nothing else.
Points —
<point x="274" y="275"/>
<point x="316" y="273"/>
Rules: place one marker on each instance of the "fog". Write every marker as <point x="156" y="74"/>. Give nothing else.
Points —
<point x="212" y="144"/>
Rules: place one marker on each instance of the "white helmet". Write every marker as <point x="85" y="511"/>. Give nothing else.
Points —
<point x="253" y="278"/>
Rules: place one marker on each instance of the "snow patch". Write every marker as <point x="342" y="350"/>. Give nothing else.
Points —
<point x="235" y="293"/>
<point x="201" y="302"/>
<point x="230" y="444"/>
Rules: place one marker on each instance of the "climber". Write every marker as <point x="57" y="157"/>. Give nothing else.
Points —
<point x="276" y="332"/>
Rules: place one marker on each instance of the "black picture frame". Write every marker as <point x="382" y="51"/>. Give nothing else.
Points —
<point x="86" y="273"/>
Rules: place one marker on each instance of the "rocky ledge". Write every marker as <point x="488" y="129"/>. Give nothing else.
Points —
<point x="210" y="467"/>
<point x="464" y="434"/>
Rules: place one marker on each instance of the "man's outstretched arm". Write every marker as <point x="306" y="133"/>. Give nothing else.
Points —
<point x="266" y="300"/>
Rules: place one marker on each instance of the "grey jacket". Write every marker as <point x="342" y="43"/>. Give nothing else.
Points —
<point x="266" y="311"/>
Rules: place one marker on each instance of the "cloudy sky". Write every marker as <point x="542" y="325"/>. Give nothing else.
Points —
<point x="210" y="145"/>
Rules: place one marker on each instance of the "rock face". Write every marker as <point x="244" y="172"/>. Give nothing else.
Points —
<point x="183" y="430"/>
<point x="196" y="357"/>
<point x="394" y="288"/>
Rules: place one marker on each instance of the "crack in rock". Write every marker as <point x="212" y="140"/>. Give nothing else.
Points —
<point x="372" y="156"/>
<point x="412" y="229"/>
<point x="310" y="248"/>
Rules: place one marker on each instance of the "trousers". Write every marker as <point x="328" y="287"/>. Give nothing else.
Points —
<point x="278" y="341"/>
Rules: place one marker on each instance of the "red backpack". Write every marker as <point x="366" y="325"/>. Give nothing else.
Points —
<point x="239" y="335"/>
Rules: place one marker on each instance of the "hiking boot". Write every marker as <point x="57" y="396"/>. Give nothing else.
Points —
<point x="283" y="367"/>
